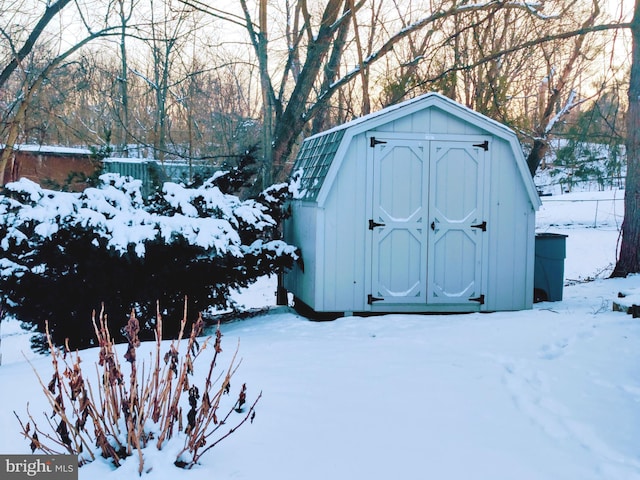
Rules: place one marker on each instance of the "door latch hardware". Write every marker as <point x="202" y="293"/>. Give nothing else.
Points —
<point x="482" y="226"/>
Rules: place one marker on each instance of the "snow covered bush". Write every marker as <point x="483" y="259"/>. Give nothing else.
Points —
<point x="65" y="255"/>
<point x="131" y="407"/>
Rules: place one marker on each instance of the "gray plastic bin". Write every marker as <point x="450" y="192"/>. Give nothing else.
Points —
<point x="548" y="276"/>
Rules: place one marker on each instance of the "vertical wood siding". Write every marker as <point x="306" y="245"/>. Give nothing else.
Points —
<point x="336" y="241"/>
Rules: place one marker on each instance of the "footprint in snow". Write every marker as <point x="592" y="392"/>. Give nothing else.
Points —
<point x="529" y="390"/>
<point x="531" y="395"/>
<point x="554" y="350"/>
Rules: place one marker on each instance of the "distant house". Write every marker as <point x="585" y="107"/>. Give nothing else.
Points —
<point x="58" y="168"/>
<point x="425" y="206"/>
<point x="69" y="168"/>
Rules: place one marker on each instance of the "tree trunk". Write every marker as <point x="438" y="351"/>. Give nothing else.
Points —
<point x="331" y="70"/>
<point x="267" y="99"/>
<point x="8" y="151"/>
<point x="629" y="259"/>
<point x="290" y="124"/>
<point x="124" y="87"/>
<point x="537" y="153"/>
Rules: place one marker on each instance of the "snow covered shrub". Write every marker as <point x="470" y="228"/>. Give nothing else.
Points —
<point x="132" y="406"/>
<point x="64" y="255"/>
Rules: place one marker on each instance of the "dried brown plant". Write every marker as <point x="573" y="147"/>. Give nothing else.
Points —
<point x="126" y="415"/>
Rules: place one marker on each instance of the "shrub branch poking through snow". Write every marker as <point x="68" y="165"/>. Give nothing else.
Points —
<point x="114" y="248"/>
<point x="119" y="417"/>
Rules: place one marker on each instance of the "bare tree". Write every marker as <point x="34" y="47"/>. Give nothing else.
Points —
<point x="555" y="88"/>
<point x="298" y="90"/>
<point x="508" y="65"/>
<point x="19" y="53"/>
<point x="169" y="31"/>
<point x="629" y="257"/>
<point x="316" y="64"/>
<point x="125" y="12"/>
<point x="31" y="86"/>
<point x="36" y="50"/>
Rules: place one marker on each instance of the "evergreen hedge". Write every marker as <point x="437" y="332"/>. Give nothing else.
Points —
<point x="65" y="255"/>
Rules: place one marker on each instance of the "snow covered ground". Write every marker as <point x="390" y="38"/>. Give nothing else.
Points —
<point x="547" y="394"/>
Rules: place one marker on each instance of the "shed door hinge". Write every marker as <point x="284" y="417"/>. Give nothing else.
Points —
<point x="484" y="145"/>
<point x="479" y="299"/>
<point x="374" y="141"/>
<point x="482" y="226"/>
<point x="371" y="299"/>
<point x="373" y="224"/>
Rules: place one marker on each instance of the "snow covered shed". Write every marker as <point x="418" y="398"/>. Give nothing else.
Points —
<point x="424" y="206"/>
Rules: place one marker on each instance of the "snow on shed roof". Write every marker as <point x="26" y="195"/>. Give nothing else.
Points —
<point x="315" y="160"/>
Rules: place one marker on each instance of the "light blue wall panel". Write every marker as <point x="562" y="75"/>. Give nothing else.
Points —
<point x="510" y="228"/>
<point x="300" y="230"/>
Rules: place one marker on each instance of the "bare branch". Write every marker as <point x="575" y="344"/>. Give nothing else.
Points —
<point x="49" y="14"/>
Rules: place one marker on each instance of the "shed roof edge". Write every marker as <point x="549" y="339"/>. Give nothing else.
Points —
<point x="388" y="114"/>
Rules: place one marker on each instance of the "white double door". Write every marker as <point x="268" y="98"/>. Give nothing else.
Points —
<point x="427" y="221"/>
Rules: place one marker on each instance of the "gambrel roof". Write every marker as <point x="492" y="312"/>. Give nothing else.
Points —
<point x="320" y="155"/>
<point x="314" y="159"/>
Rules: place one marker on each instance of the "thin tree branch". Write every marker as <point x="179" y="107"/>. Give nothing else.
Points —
<point x="48" y="15"/>
<point x="525" y="45"/>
